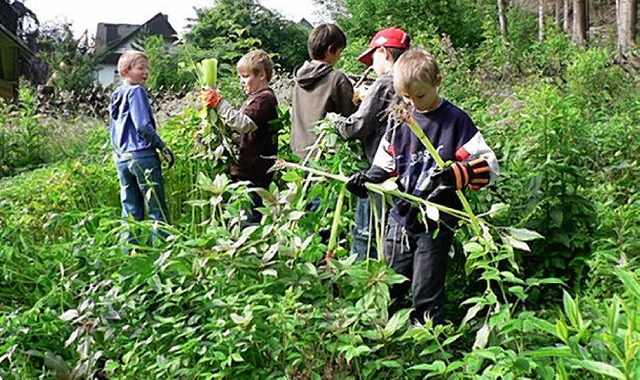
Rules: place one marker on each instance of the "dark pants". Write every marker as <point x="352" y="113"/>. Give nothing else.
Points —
<point x="364" y="237"/>
<point x="256" y="200"/>
<point x="142" y="188"/>
<point x="421" y="258"/>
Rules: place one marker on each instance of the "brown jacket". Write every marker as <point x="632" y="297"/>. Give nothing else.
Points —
<point x="319" y="89"/>
<point x="261" y="108"/>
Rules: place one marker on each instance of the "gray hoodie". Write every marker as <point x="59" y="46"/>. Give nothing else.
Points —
<point x="369" y="122"/>
<point x="319" y="89"/>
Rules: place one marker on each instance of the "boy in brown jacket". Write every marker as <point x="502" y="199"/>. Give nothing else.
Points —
<point x="258" y="137"/>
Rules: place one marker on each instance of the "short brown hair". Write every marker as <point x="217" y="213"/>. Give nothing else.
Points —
<point x="415" y="66"/>
<point x="325" y="38"/>
<point x="129" y="58"/>
<point x="256" y="61"/>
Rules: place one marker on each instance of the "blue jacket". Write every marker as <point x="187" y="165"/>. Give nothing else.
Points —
<point x="402" y="154"/>
<point x="133" y="128"/>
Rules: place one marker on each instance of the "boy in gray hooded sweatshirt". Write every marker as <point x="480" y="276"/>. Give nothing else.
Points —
<point x="319" y="88"/>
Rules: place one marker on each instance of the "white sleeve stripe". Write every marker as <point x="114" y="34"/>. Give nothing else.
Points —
<point x="383" y="159"/>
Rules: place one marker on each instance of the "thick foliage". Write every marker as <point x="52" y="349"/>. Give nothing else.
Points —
<point x="458" y="19"/>
<point x="217" y="300"/>
<point x="72" y="68"/>
<point x="231" y="28"/>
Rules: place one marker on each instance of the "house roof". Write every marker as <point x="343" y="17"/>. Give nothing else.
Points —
<point x="19" y="43"/>
<point x="110" y="37"/>
<point x="9" y="27"/>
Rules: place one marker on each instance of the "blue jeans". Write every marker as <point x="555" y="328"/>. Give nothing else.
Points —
<point x="422" y="258"/>
<point x="142" y="188"/>
<point x="364" y="239"/>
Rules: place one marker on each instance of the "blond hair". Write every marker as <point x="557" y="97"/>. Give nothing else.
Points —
<point x="128" y="59"/>
<point x="256" y="61"/>
<point x="413" y="67"/>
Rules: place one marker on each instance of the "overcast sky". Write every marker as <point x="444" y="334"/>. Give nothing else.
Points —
<point x="88" y="13"/>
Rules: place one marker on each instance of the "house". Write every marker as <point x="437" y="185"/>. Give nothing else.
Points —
<point x="12" y="48"/>
<point x="113" y="39"/>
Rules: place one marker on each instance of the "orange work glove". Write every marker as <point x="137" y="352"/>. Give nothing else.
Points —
<point x="210" y="98"/>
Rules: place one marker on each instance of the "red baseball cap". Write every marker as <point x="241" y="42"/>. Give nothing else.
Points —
<point x="390" y="37"/>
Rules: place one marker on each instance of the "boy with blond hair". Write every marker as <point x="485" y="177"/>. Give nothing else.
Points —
<point x="257" y="136"/>
<point x="318" y="87"/>
<point x="136" y="143"/>
<point x="418" y="250"/>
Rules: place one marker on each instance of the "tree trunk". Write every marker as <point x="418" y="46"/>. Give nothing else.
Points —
<point x="579" y="22"/>
<point x="565" y="19"/>
<point x="501" y="18"/>
<point x="540" y="20"/>
<point x="626" y="17"/>
<point x="558" y="13"/>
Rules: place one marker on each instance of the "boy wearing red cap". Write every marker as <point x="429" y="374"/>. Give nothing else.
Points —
<point x="418" y="249"/>
<point x="369" y="122"/>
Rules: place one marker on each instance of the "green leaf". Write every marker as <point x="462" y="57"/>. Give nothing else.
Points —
<point x="473" y="247"/>
<point x="354" y="352"/>
<point x="629" y="281"/>
<point x="552" y="352"/>
<point x="515" y="243"/>
<point x="398" y="320"/>
<point x="471" y="313"/>
<point x="437" y="367"/>
<point x="571" y="310"/>
<point x="497" y="209"/>
<point x="524" y="234"/>
<point x="519" y="292"/>
<point x="204" y="182"/>
<point x="482" y="337"/>
<point x="599" y="367"/>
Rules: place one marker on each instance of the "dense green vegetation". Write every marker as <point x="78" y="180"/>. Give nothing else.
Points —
<point x="547" y="288"/>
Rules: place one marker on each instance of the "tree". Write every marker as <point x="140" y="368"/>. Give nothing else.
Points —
<point x="460" y="20"/>
<point x="558" y="13"/>
<point x="501" y="18"/>
<point x="233" y="27"/>
<point x="580" y="22"/>
<point x="541" y="7"/>
<point x="565" y="15"/>
<point x="71" y="65"/>
<point x="626" y="18"/>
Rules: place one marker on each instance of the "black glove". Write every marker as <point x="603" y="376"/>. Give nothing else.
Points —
<point x="355" y="184"/>
<point x="459" y="175"/>
<point x="168" y="156"/>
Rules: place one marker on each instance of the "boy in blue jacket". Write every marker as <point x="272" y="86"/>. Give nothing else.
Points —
<point x="413" y="248"/>
<point x="136" y="143"/>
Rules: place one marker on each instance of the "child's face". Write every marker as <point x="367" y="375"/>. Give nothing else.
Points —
<point x="422" y="96"/>
<point x="380" y="61"/>
<point x="138" y="73"/>
<point x="251" y="82"/>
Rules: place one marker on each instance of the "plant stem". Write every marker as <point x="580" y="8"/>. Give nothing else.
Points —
<point x="378" y="188"/>
<point x="333" y="238"/>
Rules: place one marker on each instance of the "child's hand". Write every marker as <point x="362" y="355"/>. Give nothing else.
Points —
<point x="355" y="184"/>
<point x="210" y="98"/>
<point x="168" y="156"/>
